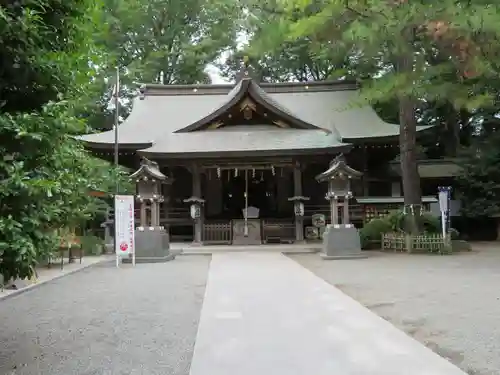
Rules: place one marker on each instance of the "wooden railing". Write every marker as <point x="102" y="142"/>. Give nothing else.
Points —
<point x="217" y="233"/>
<point x="278" y="230"/>
<point x="357" y="212"/>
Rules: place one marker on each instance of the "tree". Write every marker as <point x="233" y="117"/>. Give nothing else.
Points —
<point x="169" y="40"/>
<point x="479" y="182"/>
<point x="45" y="173"/>
<point x="398" y="36"/>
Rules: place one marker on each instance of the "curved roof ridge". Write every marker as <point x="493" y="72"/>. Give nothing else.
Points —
<point x="247" y="86"/>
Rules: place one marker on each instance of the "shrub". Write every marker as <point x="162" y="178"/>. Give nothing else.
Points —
<point x="91" y="245"/>
<point x="372" y="231"/>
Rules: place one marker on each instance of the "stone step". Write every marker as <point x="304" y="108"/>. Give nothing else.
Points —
<point x="189" y="249"/>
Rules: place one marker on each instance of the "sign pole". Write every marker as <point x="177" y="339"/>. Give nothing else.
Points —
<point x="444" y="207"/>
<point x="124" y="228"/>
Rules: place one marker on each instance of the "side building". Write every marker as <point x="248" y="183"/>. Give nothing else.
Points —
<point x="256" y="145"/>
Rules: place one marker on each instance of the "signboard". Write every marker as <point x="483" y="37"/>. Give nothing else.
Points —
<point x="124" y="227"/>
<point x="444" y="207"/>
<point x="318" y="220"/>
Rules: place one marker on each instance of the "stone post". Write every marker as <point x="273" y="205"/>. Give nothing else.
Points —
<point x="297" y="192"/>
<point x="154" y="213"/>
<point x="345" y="219"/>
<point x="334" y="209"/>
<point x="298" y="202"/>
<point x="196" y="192"/>
<point x="143" y="216"/>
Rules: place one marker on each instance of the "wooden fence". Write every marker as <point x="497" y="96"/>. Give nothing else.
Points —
<point x="217" y="233"/>
<point x="425" y="243"/>
<point x="278" y="231"/>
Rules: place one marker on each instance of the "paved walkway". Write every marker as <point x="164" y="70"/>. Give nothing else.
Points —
<point x="265" y="314"/>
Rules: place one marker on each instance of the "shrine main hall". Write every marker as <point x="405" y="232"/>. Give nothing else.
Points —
<point x="256" y="148"/>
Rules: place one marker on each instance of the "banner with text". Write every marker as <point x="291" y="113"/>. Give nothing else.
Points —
<point x="124" y="225"/>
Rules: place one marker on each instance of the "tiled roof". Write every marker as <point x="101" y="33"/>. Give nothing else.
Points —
<point x="163" y="111"/>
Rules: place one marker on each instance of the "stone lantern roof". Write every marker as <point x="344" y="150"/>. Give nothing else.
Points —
<point x="148" y="169"/>
<point x="338" y="168"/>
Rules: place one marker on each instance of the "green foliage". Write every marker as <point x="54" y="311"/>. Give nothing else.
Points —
<point x="46" y="174"/>
<point x="372" y="232"/>
<point x="178" y="38"/>
<point x="91" y="245"/>
<point x="45" y="188"/>
<point x="478" y="185"/>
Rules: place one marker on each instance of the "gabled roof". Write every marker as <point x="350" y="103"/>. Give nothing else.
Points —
<point x="170" y="120"/>
<point x="338" y="166"/>
<point x="248" y="88"/>
<point x="149" y="169"/>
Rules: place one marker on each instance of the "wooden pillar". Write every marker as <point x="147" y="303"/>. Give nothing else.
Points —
<point x="281" y="192"/>
<point x="297" y="191"/>
<point x="364" y="178"/>
<point x="214" y="191"/>
<point x="196" y="192"/>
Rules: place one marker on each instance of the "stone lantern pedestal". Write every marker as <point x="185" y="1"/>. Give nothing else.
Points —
<point x="298" y="209"/>
<point x="340" y="239"/>
<point x="195" y="210"/>
<point x="152" y="243"/>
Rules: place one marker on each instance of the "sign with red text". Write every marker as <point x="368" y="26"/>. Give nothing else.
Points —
<point x="124" y="225"/>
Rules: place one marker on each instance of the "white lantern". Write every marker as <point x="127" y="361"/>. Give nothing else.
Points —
<point x="299" y="208"/>
<point x="195" y="211"/>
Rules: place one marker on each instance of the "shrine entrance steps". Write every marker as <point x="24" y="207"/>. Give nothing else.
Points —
<point x="192" y="249"/>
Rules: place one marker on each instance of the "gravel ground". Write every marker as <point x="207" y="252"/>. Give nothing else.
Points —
<point x="106" y="321"/>
<point x="449" y="303"/>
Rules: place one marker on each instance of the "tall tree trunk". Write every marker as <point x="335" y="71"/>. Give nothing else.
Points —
<point x="452" y="131"/>
<point x="408" y="149"/>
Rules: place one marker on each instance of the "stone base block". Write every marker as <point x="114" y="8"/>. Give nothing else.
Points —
<point x="150" y="259"/>
<point x="341" y="243"/>
<point x="151" y="246"/>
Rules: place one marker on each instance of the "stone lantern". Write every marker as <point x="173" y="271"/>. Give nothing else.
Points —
<point x="151" y="239"/>
<point x="195" y="210"/>
<point x="298" y="209"/>
<point x="341" y="238"/>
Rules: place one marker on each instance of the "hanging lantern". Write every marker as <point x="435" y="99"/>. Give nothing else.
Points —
<point x="218" y="172"/>
<point x="235" y="172"/>
<point x="253" y="173"/>
<point x="272" y="170"/>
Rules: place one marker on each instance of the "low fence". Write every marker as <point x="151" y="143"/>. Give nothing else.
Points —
<point x="278" y="231"/>
<point x="218" y="233"/>
<point x="425" y="243"/>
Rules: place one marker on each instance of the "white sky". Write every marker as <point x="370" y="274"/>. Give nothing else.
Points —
<point x="213" y="72"/>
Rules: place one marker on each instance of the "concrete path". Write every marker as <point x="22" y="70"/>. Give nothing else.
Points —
<point x="265" y="314"/>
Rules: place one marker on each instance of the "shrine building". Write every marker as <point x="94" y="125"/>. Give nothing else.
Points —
<point x="256" y="148"/>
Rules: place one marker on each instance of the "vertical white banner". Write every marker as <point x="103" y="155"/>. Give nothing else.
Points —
<point x="124" y="227"/>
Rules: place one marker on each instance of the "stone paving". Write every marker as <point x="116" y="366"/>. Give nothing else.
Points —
<point x="449" y="303"/>
<point x="265" y="314"/>
<point x="144" y="320"/>
<point x="104" y="320"/>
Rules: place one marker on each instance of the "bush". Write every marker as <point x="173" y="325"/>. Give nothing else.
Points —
<point x="91" y="245"/>
<point x="372" y="231"/>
